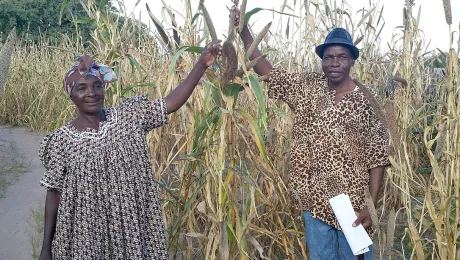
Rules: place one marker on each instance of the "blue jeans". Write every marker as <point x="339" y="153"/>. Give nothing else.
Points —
<point x="326" y="242"/>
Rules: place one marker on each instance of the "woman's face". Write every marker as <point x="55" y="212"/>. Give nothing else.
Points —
<point x="88" y="95"/>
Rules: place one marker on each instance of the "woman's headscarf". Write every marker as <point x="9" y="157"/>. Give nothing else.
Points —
<point x="87" y="66"/>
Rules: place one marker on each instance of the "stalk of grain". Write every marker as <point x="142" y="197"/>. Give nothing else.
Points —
<point x="371" y="208"/>
<point x="391" y="227"/>
<point x="5" y="56"/>
<point x="231" y="26"/>
<point x="440" y="143"/>
<point x="242" y="14"/>
<point x="207" y="18"/>
<point x="373" y="102"/>
<point x="264" y="77"/>
<point x="258" y="39"/>
<point x="250" y="65"/>
<point x="391" y="116"/>
<point x="229" y="53"/>
<point x="160" y="28"/>
<point x="230" y="63"/>
<point x="447" y="11"/>
<point x="223" y="248"/>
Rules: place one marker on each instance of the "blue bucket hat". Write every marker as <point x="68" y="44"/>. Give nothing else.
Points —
<point x="338" y="36"/>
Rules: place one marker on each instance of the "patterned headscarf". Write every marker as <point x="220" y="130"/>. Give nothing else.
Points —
<point x="87" y="66"/>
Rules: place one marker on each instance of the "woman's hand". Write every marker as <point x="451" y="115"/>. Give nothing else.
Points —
<point x="181" y="93"/>
<point x="211" y="52"/>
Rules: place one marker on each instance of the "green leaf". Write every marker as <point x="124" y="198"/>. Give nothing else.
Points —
<point x="191" y="156"/>
<point x="83" y="21"/>
<point x="280" y="112"/>
<point x="195" y="17"/>
<point x="174" y="59"/>
<point x="207" y="96"/>
<point x="135" y="85"/>
<point x="195" y="49"/>
<point x="419" y="111"/>
<point x="259" y="93"/>
<point x="248" y="15"/>
<point x="102" y="4"/>
<point x="168" y="190"/>
<point x="269" y="50"/>
<point x="199" y="185"/>
<point x="134" y="64"/>
<point x="192" y="49"/>
<point x="216" y="95"/>
<point x="64" y="5"/>
<point x="232" y="90"/>
<point x="257" y="133"/>
<point x="425" y="170"/>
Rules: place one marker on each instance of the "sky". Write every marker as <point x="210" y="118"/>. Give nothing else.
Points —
<point x="432" y="22"/>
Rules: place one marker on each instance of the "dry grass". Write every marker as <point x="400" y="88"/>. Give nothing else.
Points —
<point x="6" y="51"/>
<point x="447" y="11"/>
<point x="221" y="163"/>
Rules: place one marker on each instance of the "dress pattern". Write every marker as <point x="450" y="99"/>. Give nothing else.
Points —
<point x="109" y="207"/>
<point x="333" y="145"/>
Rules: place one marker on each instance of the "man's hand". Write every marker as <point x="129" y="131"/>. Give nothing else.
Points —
<point x="210" y="53"/>
<point x="364" y="218"/>
<point x="263" y="67"/>
<point x="235" y="13"/>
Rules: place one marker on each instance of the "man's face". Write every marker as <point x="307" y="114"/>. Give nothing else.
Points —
<point x="337" y="62"/>
<point x="88" y="95"/>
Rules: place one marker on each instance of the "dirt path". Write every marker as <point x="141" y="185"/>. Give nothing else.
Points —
<point x="21" y="197"/>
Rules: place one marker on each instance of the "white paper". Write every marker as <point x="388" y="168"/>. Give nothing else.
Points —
<point x="357" y="237"/>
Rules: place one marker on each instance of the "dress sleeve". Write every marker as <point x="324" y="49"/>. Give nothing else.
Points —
<point x="51" y="153"/>
<point x="149" y="114"/>
<point x="286" y="86"/>
<point x="377" y="143"/>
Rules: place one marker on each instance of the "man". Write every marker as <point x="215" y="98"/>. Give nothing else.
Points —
<point x="338" y="143"/>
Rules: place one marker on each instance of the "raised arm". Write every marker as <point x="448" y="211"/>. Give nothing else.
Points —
<point x="181" y="93"/>
<point x="263" y="67"/>
<point x="51" y="209"/>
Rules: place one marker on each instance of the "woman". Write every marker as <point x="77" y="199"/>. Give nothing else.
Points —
<point x="101" y="200"/>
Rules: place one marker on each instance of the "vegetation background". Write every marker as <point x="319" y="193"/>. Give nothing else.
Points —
<point x="221" y="163"/>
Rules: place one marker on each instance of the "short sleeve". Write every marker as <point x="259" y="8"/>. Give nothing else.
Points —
<point x="149" y="114"/>
<point x="377" y="143"/>
<point x="288" y="87"/>
<point x="51" y="153"/>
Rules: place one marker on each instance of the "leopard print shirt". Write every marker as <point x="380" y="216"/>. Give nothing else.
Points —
<point x="109" y="207"/>
<point x="333" y="146"/>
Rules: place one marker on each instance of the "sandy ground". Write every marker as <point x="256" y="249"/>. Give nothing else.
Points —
<point x="21" y="197"/>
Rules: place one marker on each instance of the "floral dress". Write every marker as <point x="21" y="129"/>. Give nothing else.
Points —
<point x="109" y="207"/>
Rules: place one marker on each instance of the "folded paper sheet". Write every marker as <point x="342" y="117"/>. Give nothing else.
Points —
<point x="357" y="237"/>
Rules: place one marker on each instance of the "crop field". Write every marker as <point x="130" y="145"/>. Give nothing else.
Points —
<point x="222" y="161"/>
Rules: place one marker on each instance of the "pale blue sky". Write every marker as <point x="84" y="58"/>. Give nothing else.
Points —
<point x="432" y="21"/>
